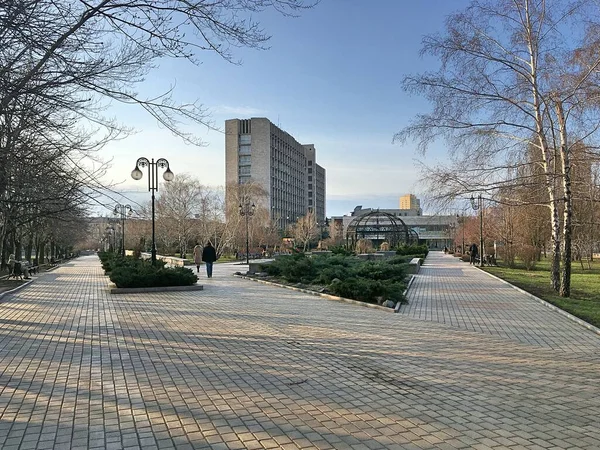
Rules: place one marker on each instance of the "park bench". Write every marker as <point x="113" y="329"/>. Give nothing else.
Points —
<point x="15" y="271"/>
<point x="587" y="260"/>
<point x="489" y="260"/>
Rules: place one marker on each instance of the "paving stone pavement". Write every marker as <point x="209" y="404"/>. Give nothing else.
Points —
<point x="452" y="292"/>
<point x="245" y="365"/>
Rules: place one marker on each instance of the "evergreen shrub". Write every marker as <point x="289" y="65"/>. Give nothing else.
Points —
<point x="414" y="250"/>
<point x="345" y="276"/>
<point x="131" y="272"/>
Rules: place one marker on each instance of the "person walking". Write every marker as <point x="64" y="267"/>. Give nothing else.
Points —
<point x="473" y="251"/>
<point x="197" y="256"/>
<point x="209" y="256"/>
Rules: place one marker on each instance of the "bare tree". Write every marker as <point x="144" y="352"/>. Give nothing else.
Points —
<point x="178" y="207"/>
<point x="306" y="230"/>
<point x="509" y="81"/>
<point x="63" y="62"/>
<point x="88" y="51"/>
<point x="251" y="193"/>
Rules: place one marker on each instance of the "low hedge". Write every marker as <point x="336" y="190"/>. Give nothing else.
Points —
<point x="416" y="251"/>
<point x="149" y="276"/>
<point x="130" y="272"/>
<point x="345" y="276"/>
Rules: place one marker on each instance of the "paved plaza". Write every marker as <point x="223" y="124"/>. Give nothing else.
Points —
<point x="469" y="363"/>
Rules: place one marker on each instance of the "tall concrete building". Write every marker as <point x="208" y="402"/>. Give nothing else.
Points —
<point x="258" y="151"/>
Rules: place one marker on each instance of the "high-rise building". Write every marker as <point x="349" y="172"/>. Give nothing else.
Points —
<point x="410" y="202"/>
<point x="258" y="151"/>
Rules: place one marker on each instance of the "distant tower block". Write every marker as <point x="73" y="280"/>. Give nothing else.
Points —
<point x="410" y="202"/>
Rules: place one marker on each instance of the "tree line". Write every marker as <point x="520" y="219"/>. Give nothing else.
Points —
<point x="189" y="213"/>
<point x="63" y="63"/>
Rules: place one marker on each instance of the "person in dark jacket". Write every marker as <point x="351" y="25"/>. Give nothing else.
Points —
<point x="209" y="256"/>
<point x="474" y="252"/>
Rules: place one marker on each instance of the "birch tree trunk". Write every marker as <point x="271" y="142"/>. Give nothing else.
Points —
<point x="546" y="154"/>
<point x="565" y="282"/>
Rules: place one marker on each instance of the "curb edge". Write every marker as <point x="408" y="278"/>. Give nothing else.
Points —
<point x="319" y="294"/>
<point x="548" y="305"/>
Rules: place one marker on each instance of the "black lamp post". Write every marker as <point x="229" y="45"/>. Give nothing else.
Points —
<point x="479" y="206"/>
<point x="451" y="236"/>
<point x="247" y="211"/>
<point x="122" y="212"/>
<point x="462" y="225"/>
<point x="109" y="232"/>
<point x="137" y="174"/>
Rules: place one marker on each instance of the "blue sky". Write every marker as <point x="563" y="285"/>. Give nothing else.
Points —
<point x="332" y="77"/>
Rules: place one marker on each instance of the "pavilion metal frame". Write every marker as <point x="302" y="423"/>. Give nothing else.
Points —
<point x="380" y="226"/>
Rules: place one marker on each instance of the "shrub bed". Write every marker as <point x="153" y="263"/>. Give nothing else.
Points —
<point x="416" y="251"/>
<point x="130" y="272"/>
<point x="345" y="276"/>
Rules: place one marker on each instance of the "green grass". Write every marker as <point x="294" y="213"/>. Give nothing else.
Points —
<point x="585" y="287"/>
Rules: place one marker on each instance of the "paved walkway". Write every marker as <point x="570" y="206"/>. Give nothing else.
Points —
<point x="452" y="292"/>
<point x="245" y="365"/>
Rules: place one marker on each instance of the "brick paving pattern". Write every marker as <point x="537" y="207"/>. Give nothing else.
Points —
<point x="243" y="365"/>
<point x="452" y="292"/>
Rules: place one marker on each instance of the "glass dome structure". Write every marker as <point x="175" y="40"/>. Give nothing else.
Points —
<point x="379" y="227"/>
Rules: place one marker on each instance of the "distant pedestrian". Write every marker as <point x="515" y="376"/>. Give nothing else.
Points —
<point x="209" y="256"/>
<point x="473" y="253"/>
<point x="197" y="256"/>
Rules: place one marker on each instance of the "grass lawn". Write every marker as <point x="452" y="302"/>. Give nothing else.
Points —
<point x="585" y="287"/>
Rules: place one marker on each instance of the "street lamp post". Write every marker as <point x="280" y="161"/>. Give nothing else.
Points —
<point x="137" y="174"/>
<point x="247" y="211"/>
<point x="109" y="232"/>
<point x="122" y="212"/>
<point x="479" y="206"/>
<point x="451" y="237"/>
<point x="462" y="225"/>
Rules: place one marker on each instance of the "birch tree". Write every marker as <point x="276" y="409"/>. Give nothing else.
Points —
<point x="510" y="79"/>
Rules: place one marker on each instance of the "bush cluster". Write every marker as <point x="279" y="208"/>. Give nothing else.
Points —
<point x="346" y="276"/>
<point x="416" y="251"/>
<point x="129" y="272"/>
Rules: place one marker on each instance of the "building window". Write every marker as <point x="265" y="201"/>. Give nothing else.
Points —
<point x="244" y="170"/>
<point x="309" y="170"/>
<point x="244" y="160"/>
<point x="310" y="201"/>
<point x="245" y="149"/>
<point x="245" y="139"/>
<point x="310" y="178"/>
<point x="310" y="163"/>
<point x="310" y="187"/>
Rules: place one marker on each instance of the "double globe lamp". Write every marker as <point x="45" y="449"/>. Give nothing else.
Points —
<point x="137" y="174"/>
